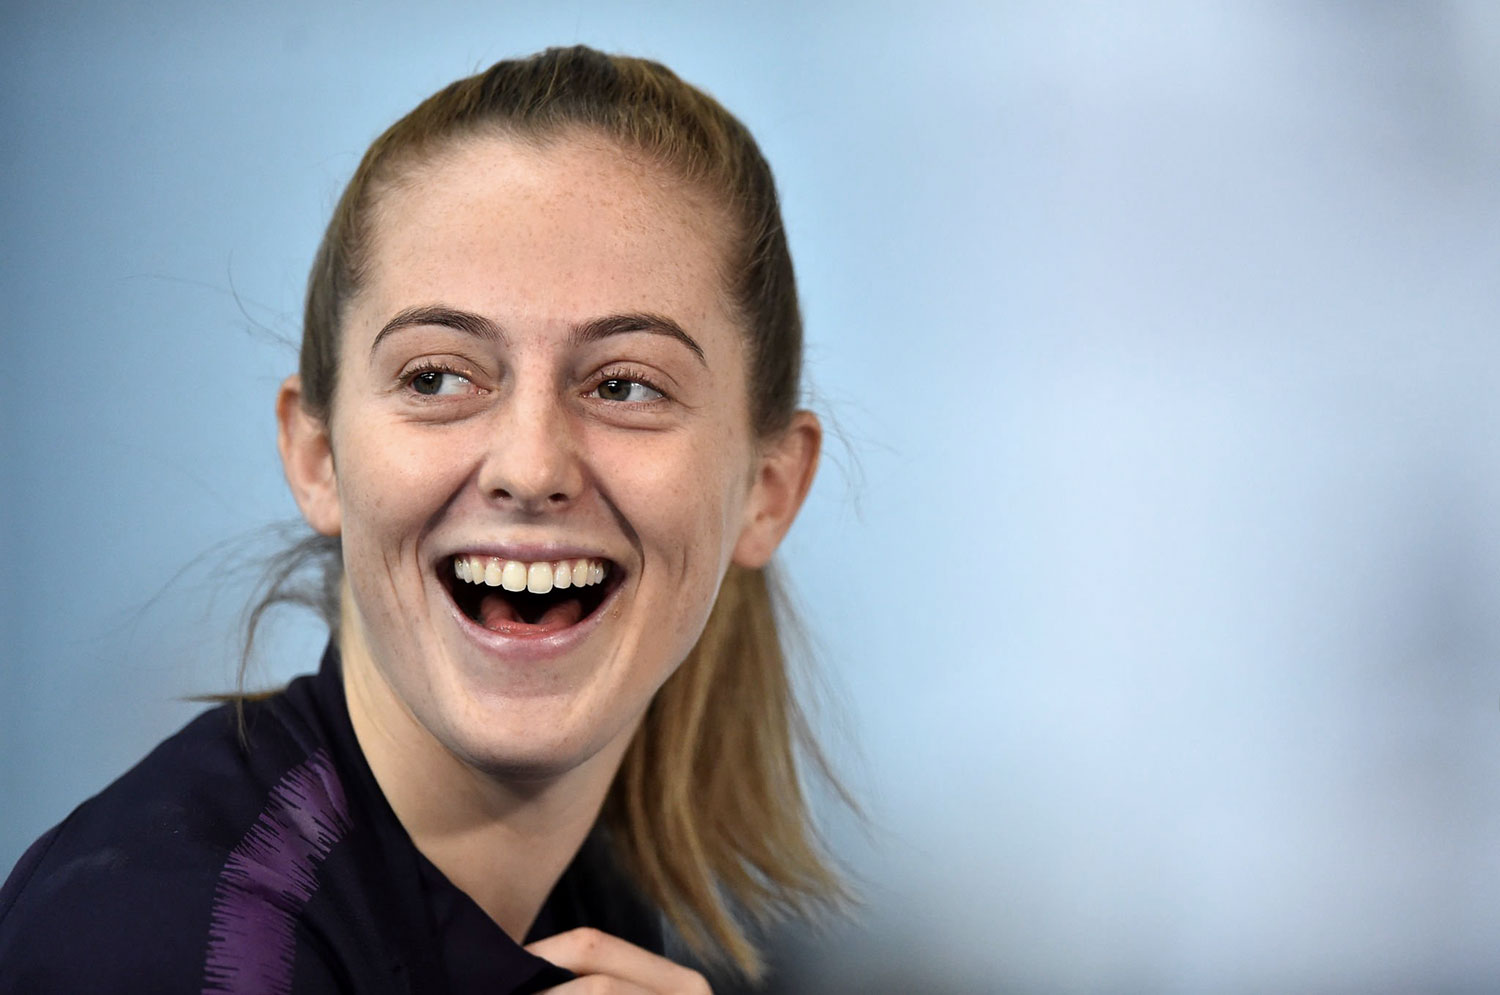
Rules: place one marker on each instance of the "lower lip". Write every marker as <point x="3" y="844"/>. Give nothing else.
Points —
<point x="532" y="646"/>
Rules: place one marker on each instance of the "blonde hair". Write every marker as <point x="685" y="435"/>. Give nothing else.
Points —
<point x="707" y="811"/>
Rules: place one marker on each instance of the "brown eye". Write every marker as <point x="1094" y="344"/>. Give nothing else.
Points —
<point x="435" y="382"/>
<point x="618" y="389"/>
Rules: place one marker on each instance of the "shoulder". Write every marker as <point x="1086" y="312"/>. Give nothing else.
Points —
<point x="128" y="886"/>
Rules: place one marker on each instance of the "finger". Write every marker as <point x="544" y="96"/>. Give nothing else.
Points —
<point x="592" y="952"/>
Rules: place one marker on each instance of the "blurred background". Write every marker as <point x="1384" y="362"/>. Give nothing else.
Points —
<point x="1155" y="584"/>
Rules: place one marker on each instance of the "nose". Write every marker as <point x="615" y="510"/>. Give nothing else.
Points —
<point x="532" y="463"/>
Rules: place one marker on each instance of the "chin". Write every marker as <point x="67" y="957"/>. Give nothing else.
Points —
<point x="532" y="743"/>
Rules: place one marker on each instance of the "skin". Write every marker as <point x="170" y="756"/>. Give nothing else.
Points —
<point x="518" y="434"/>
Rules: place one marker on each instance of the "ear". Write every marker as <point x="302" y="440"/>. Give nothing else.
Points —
<point x="783" y="474"/>
<point x="307" y="458"/>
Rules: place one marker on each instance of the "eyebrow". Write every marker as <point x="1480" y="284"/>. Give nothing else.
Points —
<point x="592" y="330"/>
<point x="621" y="324"/>
<point x="446" y="317"/>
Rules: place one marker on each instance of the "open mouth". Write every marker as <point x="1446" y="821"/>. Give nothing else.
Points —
<point x="532" y="599"/>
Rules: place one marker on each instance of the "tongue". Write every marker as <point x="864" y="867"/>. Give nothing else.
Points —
<point x="497" y="614"/>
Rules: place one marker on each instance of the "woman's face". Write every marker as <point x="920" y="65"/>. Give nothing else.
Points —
<point x="539" y="377"/>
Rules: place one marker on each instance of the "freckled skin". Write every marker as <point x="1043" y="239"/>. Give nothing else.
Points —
<point x="537" y="241"/>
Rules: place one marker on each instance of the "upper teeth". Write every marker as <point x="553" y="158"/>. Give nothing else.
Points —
<point x="538" y="578"/>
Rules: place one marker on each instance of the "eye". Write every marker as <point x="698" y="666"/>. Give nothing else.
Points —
<point x="437" y="382"/>
<point x="620" y="389"/>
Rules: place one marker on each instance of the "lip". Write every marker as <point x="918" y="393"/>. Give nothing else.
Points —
<point x="527" y="553"/>
<point x="542" y="646"/>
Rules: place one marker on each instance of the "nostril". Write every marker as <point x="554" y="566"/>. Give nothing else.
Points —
<point x="556" y="499"/>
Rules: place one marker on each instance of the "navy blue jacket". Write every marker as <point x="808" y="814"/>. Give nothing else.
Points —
<point x="272" y="864"/>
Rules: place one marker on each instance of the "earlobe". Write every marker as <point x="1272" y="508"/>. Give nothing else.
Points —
<point x="307" y="458"/>
<point x="782" y="479"/>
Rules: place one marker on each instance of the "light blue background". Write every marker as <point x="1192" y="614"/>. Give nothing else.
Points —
<point x="1159" y="607"/>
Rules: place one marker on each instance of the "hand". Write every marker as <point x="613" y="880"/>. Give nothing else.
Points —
<point x="608" y="964"/>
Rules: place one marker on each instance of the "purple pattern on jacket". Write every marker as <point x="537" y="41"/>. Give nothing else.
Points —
<point x="268" y="879"/>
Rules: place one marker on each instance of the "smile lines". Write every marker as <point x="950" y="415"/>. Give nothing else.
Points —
<point x="538" y="578"/>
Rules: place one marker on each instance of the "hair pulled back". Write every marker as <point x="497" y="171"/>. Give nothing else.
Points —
<point x="707" y="811"/>
<point x="645" y="108"/>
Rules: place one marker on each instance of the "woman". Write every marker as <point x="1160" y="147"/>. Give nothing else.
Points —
<point x="545" y="420"/>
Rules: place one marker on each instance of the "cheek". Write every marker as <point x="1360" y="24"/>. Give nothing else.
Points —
<point x="388" y="488"/>
<point x="684" y="498"/>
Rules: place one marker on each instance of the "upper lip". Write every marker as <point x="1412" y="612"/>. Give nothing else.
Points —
<point x="530" y="552"/>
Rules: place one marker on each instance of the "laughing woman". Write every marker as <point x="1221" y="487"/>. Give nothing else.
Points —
<point x="545" y="429"/>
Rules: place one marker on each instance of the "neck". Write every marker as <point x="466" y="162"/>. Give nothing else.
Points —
<point x="504" y="842"/>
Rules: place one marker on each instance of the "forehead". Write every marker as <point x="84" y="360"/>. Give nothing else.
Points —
<point x="564" y="229"/>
